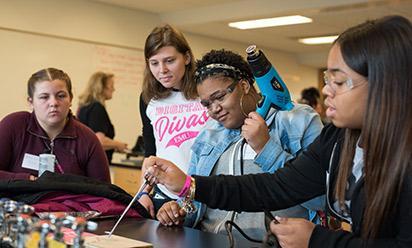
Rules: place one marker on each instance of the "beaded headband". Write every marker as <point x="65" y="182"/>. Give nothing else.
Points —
<point x="221" y="70"/>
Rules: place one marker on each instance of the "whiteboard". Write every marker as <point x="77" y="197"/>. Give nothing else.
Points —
<point x="23" y="53"/>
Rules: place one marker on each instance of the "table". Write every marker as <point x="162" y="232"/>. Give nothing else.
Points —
<point x="161" y="236"/>
<point x="122" y="160"/>
<point x="126" y="173"/>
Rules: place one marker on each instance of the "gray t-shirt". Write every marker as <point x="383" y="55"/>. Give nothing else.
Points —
<point x="251" y="223"/>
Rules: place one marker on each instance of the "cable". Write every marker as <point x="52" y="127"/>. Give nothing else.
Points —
<point x="229" y="232"/>
<point x="270" y="240"/>
<point x="229" y="224"/>
<point x="241" y="155"/>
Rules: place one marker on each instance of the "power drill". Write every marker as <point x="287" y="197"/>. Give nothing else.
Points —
<point x="273" y="89"/>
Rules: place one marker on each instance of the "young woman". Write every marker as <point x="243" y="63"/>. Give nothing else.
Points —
<point x="311" y="97"/>
<point x="239" y="141"/>
<point x="49" y="128"/>
<point x="169" y="107"/>
<point x="92" y="111"/>
<point x="362" y="161"/>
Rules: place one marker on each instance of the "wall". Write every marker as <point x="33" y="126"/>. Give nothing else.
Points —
<point x="72" y="28"/>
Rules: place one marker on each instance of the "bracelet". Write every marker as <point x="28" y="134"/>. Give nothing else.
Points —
<point x="187" y="201"/>
<point x="192" y="189"/>
<point x="186" y="187"/>
<point x="142" y="193"/>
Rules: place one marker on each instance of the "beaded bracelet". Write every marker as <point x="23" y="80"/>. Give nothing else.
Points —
<point x="187" y="201"/>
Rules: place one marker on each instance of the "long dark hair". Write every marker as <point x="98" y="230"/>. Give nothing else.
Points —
<point x="381" y="51"/>
<point x="160" y="37"/>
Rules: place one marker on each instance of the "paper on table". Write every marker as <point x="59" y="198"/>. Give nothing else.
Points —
<point x="102" y="241"/>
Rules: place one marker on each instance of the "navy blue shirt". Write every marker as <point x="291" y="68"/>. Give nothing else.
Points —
<point x="96" y="117"/>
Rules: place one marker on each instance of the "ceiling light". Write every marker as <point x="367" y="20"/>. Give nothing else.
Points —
<point x="270" y="22"/>
<point x="318" y="40"/>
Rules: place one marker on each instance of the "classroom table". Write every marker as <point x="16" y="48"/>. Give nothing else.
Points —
<point x="153" y="232"/>
<point x="126" y="173"/>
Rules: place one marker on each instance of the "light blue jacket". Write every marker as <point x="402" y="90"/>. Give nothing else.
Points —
<point x="290" y="132"/>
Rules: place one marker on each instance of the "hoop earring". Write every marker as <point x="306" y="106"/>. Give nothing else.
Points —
<point x="241" y="105"/>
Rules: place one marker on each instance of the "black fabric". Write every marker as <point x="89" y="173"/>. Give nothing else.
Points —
<point x="147" y="132"/>
<point x="159" y="198"/>
<point x="96" y="117"/>
<point x="30" y="192"/>
<point x="301" y="180"/>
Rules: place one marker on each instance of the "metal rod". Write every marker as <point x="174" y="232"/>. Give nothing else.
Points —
<point x="128" y="207"/>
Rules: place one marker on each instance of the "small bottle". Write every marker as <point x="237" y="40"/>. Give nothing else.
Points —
<point x="46" y="162"/>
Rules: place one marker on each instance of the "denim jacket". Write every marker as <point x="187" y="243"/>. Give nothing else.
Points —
<point x="290" y="132"/>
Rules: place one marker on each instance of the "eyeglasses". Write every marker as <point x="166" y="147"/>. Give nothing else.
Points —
<point x="338" y="81"/>
<point x="219" y="96"/>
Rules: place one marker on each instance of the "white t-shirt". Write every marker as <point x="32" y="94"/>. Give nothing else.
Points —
<point x="176" y="123"/>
